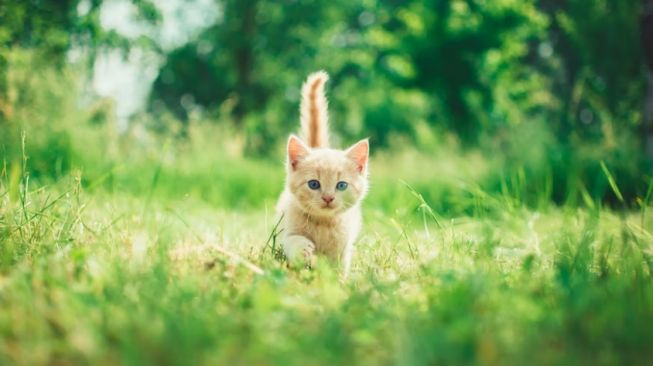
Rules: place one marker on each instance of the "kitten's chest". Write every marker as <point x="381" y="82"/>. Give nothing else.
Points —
<point x="330" y="236"/>
<point x="329" y="240"/>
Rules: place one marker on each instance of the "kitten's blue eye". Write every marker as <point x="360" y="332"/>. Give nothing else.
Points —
<point x="313" y="184"/>
<point x="341" y="186"/>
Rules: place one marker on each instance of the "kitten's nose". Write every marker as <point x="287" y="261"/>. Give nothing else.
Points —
<point x="327" y="199"/>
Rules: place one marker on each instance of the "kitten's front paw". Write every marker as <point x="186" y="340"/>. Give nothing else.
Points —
<point x="299" y="250"/>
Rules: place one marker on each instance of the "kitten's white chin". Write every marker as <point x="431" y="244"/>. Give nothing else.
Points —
<point x="325" y="211"/>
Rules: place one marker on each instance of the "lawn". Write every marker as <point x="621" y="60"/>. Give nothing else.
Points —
<point x="184" y="268"/>
<point x="142" y="150"/>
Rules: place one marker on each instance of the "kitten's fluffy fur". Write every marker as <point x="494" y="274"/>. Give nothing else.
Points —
<point x="325" y="220"/>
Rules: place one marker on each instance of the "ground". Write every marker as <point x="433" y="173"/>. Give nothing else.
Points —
<point x="100" y="276"/>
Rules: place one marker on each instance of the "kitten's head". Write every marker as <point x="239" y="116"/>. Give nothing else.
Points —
<point x="326" y="181"/>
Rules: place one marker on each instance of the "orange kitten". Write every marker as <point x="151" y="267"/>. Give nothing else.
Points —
<point x="324" y="186"/>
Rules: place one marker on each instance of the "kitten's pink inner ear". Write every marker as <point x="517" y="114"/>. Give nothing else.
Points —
<point x="296" y="151"/>
<point x="359" y="154"/>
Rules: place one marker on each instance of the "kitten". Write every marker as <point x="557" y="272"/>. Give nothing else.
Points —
<point x="324" y="186"/>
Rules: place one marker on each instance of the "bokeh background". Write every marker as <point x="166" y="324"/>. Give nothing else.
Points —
<point x="541" y="91"/>
<point x="508" y="219"/>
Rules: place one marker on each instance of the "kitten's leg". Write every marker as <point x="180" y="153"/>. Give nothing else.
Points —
<point x="347" y="254"/>
<point x="298" y="249"/>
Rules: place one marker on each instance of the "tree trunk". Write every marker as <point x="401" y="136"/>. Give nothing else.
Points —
<point x="647" y="43"/>
<point x="5" y="106"/>
<point x="647" y="123"/>
<point x="243" y="15"/>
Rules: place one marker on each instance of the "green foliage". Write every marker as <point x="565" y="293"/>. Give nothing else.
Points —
<point x="256" y="56"/>
<point x="43" y="114"/>
<point x="94" y="278"/>
<point x="54" y="27"/>
<point x="148" y="245"/>
<point x="51" y="28"/>
<point x="464" y="54"/>
<point x="598" y="92"/>
<point x="149" y="248"/>
<point x="530" y="80"/>
<point x="525" y="164"/>
<point x="244" y="63"/>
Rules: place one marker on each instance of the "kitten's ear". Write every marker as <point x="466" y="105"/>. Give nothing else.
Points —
<point x="359" y="153"/>
<point x="297" y="150"/>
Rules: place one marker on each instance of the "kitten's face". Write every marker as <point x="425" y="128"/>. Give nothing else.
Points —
<point x="326" y="182"/>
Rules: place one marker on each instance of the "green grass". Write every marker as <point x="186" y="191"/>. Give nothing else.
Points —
<point x="133" y="248"/>
<point x="157" y="262"/>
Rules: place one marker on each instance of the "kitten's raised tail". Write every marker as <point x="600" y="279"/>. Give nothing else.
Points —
<point x="313" y="110"/>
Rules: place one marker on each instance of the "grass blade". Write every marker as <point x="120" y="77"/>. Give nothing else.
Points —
<point x="612" y="182"/>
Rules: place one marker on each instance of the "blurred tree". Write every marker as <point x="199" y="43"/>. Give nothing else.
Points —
<point x="472" y="66"/>
<point x="647" y="42"/>
<point x="239" y="57"/>
<point x="572" y="72"/>
<point x="52" y="27"/>
<point x="248" y="66"/>
<point x="600" y="76"/>
<point x="257" y="46"/>
<point x="459" y="50"/>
